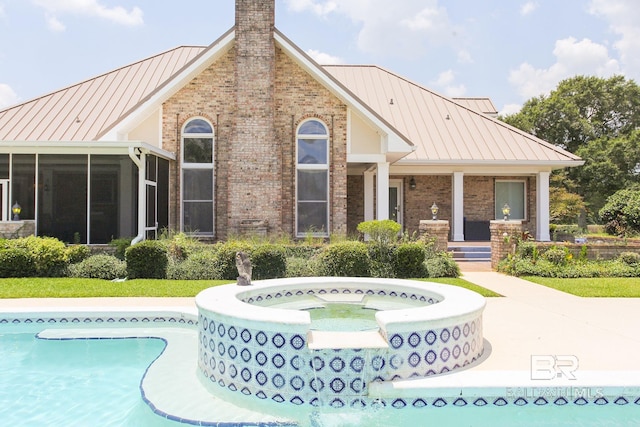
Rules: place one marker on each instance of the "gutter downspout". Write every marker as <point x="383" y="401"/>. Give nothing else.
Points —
<point x="142" y="206"/>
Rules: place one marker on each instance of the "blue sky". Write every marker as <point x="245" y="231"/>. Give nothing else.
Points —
<point x="508" y="50"/>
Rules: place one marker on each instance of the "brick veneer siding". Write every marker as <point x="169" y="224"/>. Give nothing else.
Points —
<point x="504" y="237"/>
<point x="355" y="203"/>
<point x="417" y="203"/>
<point x="297" y="96"/>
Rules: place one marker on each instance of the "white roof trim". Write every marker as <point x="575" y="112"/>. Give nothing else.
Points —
<point x="177" y="82"/>
<point x="84" y="147"/>
<point x="394" y="139"/>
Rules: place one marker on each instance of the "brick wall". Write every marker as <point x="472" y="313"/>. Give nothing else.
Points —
<point x="417" y="203"/>
<point x="257" y="179"/>
<point x="355" y="208"/>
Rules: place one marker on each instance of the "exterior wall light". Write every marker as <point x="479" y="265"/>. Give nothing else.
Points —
<point x="16" y="209"/>
<point x="506" y="211"/>
<point x="434" y="211"/>
<point x="412" y="183"/>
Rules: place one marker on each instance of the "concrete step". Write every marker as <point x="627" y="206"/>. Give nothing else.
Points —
<point x="470" y="253"/>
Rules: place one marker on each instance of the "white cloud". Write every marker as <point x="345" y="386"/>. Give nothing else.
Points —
<point x="408" y="28"/>
<point x="324" y="58"/>
<point x="573" y="57"/>
<point x="90" y="8"/>
<point x="509" y="109"/>
<point x="55" y="25"/>
<point x="7" y="96"/>
<point x="528" y="8"/>
<point x="623" y="17"/>
<point x="446" y="83"/>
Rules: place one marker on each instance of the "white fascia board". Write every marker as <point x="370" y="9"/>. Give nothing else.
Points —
<point x="82" y="147"/>
<point x="151" y="105"/>
<point x="471" y="169"/>
<point x="395" y="141"/>
<point x="366" y="158"/>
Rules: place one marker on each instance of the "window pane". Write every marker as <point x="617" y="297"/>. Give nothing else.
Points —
<point x="198" y="126"/>
<point x="513" y="194"/>
<point x="198" y="150"/>
<point x="150" y="167"/>
<point x="312" y="127"/>
<point x="312" y="151"/>
<point x="198" y="184"/>
<point x="23" y="183"/>
<point x="198" y="217"/>
<point x="312" y="217"/>
<point x="163" y="194"/>
<point x="151" y="206"/>
<point x="312" y="185"/>
<point x="4" y="166"/>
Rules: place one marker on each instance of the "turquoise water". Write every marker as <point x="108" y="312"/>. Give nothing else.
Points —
<point x="75" y="382"/>
<point x="97" y="383"/>
<point x="343" y="317"/>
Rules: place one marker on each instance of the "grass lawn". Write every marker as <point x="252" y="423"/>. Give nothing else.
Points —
<point x="613" y="287"/>
<point x="64" y="287"/>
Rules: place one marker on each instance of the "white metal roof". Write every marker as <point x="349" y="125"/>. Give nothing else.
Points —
<point x="442" y="130"/>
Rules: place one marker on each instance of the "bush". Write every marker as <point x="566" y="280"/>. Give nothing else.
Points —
<point x="202" y="265"/>
<point x="349" y="258"/>
<point x="380" y="231"/>
<point x="180" y="246"/>
<point x="101" y="266"/>
<point x="226" y="257"/>
<point x="121" y="246"/>
<point x="147" y="260"/>
<point x="630" y="258"/>
<point x="621" y="214"/>
<point x="302" y="267"/>
<point x="47" y="254"/>
<point x="528" y="250"/>
<point x="408" y="260"/>
<point x="556" y="255"/>
<point x="76" y="253"/>
<point x="381" y="259"/>
<point x="16" y="261"/>
<point x="441" y="265"/>
<point x="269" y="262"/>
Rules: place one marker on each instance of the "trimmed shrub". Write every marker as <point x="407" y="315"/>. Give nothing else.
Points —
<point x="76" y="253"/>
<point x="381" y="231"/>
<point x="16" y="261"/>
<point x="302" y="267"/>
<point x="180" y="246"/>
<point x="441" y="265"/>
<point x="381" y="258"/>
<point x="202" y="265"/>
<point x="147" y="260"/>
<point x="226" y="257"/>
<point x="349" y="258"/>
<point x="408" y="260"/>
<point x="47" y="254"/>
<point x="269" y="262"/>
<point x="101" y="266"/>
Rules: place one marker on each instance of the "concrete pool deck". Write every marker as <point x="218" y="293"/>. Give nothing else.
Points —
<point x="530" y="320"/>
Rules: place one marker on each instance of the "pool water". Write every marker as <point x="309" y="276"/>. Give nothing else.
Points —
<point x="75" y="382"/>
<point x="343" y="317"/>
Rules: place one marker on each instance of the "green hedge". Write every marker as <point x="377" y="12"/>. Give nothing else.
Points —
<point x="408" y="260"/>
<point x="100" y="266"/>
<point x="269" y="262"/>
<point x="147" y="260"/>
<point x="201" y="265"/>
<point x="349" y="258"/>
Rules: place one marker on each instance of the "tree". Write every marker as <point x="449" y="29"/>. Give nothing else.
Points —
<point x="597" y="119"/>
<point x="565" y="206"/>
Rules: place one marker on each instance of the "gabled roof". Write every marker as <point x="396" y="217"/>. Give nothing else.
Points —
<point x="445" y="131"/>
<point x="438" y="129"/>
<point x="83" y="111"/>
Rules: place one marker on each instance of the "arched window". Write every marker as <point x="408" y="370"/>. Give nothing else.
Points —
<point x="197" y="177"/>
<point x="312" y="179"/>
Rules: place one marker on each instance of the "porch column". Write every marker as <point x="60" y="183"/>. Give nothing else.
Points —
<point x="457" y="207"/>
<point x="368" y="195"/>
<point x="542" y="207"/>
<point x="382" y="187"/>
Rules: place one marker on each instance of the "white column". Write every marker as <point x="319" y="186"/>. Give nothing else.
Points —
<point x="368" y="196"/>
<point x="382" y="193"/>
<point x="542" y="207"/>
<point x="457" y="207"/>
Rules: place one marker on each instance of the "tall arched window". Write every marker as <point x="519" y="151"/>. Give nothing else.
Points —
<point x="197" y="177"/>
<point x="312" y="179"/>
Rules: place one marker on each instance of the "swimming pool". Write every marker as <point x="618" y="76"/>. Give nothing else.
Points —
<point x="117" y="370"/>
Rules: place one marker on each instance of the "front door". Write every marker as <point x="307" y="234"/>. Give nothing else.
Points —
<point x="395" y="200"/>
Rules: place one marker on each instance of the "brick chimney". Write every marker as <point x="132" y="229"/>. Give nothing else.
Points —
<point x="255" y="181"/>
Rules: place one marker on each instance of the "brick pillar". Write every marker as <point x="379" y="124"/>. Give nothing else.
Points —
<point x="504" y="235"/>
<point x="437" y="229"/>
<point x="255" y="176"/>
